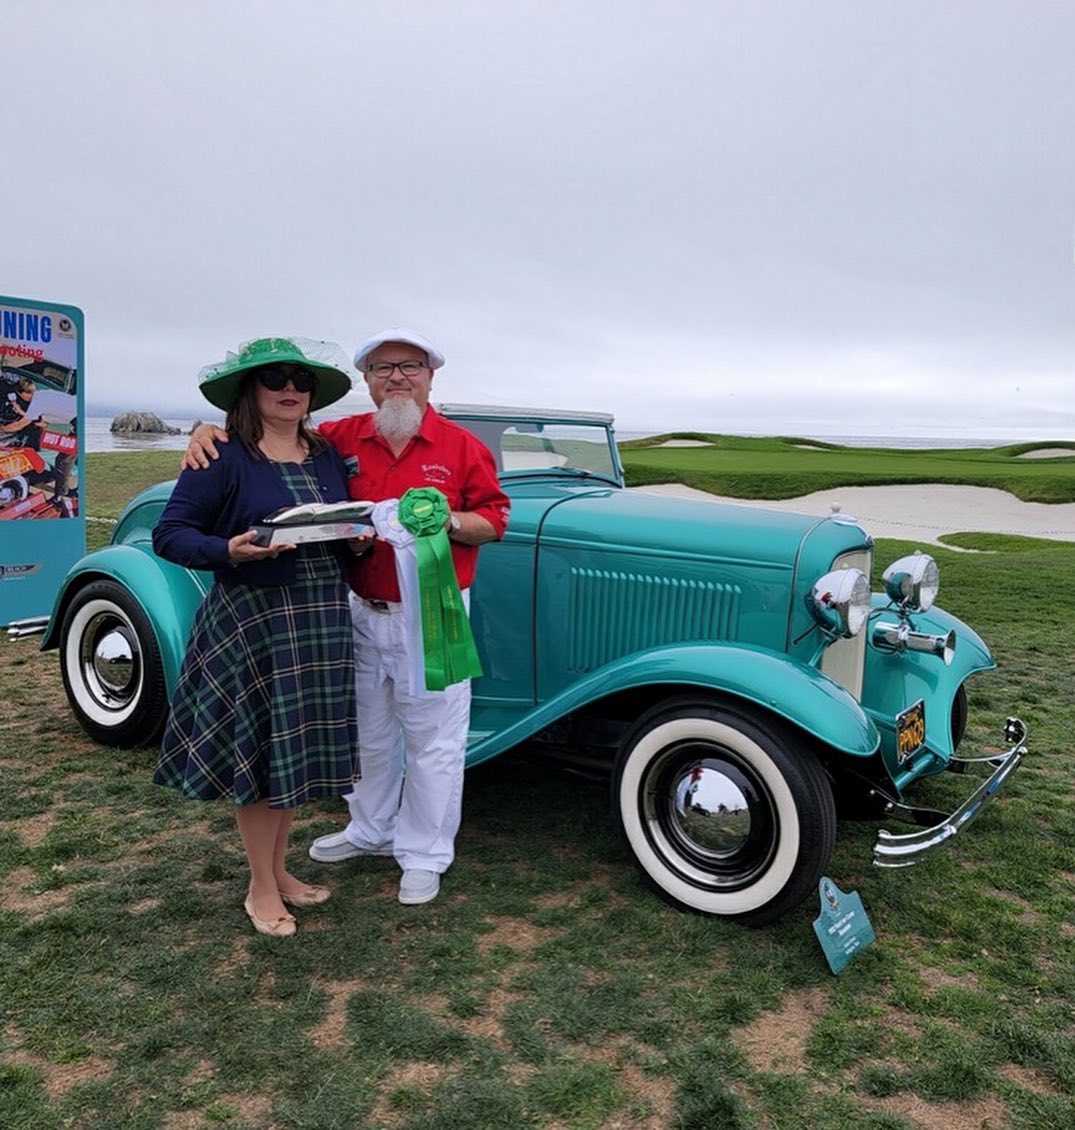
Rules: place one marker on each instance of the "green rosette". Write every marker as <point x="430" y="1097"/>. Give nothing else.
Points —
<point x="450" y="654"/>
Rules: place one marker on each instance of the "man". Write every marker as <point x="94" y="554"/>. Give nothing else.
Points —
<point x="17" y="426"/>
<point x="412" y="746"/>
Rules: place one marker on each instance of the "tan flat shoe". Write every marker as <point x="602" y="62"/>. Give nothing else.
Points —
<point x="275" y="927"/>
<point x="312" y="896"/>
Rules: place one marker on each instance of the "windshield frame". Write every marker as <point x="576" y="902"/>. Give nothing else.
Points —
<point x="559" y="436"/>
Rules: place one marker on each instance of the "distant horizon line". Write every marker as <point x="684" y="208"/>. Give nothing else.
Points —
<point x="1010" y="436"/>
<point x="997" y="435"/>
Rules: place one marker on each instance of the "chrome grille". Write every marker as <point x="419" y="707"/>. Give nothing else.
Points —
<point x="845" y="660"/>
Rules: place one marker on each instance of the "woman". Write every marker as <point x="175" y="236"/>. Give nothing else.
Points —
<point x="264" y="710"/>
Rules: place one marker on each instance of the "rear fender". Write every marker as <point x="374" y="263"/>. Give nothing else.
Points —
<point x="777" y="684"/>
<point x="168" y="594"/>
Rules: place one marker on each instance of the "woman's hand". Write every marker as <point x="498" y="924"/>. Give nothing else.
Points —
<point x="241" y="549"/>
<point x="360" y="544"/>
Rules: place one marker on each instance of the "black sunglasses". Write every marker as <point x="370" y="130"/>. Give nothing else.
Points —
<point x="275" y="378"/>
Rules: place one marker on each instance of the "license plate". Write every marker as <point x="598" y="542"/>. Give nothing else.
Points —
<point x="910" y="730"/>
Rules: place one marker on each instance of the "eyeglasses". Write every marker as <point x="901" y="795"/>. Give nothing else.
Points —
<point x="275" y="378"/>
<point x="382" y="370"/>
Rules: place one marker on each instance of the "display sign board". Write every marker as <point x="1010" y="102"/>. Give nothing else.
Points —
<point x="42" y="516"/>
<point x="843" y="928"/>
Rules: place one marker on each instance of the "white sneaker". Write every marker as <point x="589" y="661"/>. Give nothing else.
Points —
<point x="418" y="886"/>
<point x="336" y="848"/>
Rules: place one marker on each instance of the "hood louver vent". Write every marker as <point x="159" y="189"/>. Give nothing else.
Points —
<point x="614" y="614"/>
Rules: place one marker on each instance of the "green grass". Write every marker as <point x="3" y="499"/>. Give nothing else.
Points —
<point x="782" y="468"/>
<point x="115" y="477"/>
<point x="547" y="987"/>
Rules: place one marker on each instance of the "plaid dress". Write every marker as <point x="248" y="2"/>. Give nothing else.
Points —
<point x="265" y="704"/>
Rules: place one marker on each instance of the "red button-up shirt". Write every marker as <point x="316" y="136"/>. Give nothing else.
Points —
<point x="442" y="455"/>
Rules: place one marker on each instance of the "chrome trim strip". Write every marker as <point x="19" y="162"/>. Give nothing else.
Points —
<point x="892" y="850"/>
<point x="18" y="629"/>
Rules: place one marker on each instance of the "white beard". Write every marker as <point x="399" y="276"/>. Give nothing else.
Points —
<point x="398" y="419"/>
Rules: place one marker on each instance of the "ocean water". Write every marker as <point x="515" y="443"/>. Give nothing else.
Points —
<point x="99" y="438"/>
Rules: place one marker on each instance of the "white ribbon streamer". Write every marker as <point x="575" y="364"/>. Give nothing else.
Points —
<point x="385" y="518"/>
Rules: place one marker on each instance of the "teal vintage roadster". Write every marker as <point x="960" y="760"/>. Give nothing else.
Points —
<point x="726" y="666"/>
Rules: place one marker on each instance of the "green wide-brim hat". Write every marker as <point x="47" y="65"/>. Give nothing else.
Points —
<point x="220" y="383"/>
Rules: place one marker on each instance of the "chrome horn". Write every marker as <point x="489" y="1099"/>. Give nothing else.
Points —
<point x="900" y="637"/>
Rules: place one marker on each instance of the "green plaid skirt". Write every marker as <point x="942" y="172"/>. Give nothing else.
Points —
<point x="265" y="704"/>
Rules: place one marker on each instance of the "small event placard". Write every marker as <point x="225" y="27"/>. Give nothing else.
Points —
<point x="317" y="521"/>
<point x="843" y="927"/>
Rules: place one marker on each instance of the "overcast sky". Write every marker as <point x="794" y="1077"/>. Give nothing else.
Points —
<point x="809" y="217"/>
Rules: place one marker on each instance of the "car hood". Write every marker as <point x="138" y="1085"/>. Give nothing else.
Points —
<point x="633" y="520"/>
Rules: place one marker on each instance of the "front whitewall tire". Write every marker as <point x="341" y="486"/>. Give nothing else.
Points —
<point x="785" y="815"/>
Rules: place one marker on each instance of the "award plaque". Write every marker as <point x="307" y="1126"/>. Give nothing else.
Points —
<point x="317" y="521"/>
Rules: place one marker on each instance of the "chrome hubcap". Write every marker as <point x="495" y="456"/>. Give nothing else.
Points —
<point x="710" y="816"/>
<point x="111" y="662"/>
<point x="709" y="809"/>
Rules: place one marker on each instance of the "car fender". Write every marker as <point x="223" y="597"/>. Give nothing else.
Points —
<point x="779" y="685"/>
<point x="894" y="680"/>
<point x="168" y="594"/>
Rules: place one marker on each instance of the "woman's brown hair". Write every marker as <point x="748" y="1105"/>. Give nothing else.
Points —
<point x="244" y="420"/>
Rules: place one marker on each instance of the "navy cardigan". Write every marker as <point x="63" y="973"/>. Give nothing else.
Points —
<point x="232" y="494"/>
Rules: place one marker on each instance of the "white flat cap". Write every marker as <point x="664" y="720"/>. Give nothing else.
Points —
<point x="401" y="334"/>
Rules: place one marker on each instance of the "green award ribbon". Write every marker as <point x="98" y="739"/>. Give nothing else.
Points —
<point x="450" y="654"/>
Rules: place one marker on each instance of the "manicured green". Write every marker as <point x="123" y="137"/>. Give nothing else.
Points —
<point x="786" y="467"/>
<point x="739" y="466"/>
<point x="546" y="987"/>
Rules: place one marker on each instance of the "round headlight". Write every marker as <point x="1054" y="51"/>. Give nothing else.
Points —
<point x="840" y="601"/>
<point x="912" y="582"/>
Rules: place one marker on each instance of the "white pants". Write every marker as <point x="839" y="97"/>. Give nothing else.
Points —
<point x="412" y="750"/>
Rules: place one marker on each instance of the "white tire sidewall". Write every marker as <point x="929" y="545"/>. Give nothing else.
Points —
<point x="782" y="866"/>
<point x="72" y="660"/>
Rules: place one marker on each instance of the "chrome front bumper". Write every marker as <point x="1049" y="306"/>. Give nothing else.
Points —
<point x="892" y="850"/>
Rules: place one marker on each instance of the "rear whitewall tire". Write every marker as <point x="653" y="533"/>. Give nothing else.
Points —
<point x="111" y="666"/>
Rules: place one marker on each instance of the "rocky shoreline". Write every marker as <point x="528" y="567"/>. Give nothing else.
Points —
<point x="142" y="423"/>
